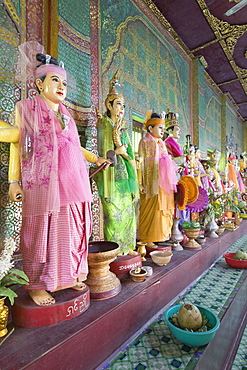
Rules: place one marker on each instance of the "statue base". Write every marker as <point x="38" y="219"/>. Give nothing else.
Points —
<point x="70" y="303"/>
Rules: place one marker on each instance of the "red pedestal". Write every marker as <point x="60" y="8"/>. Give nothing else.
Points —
<point x="123" y="264"/>
<point x="69" y="304"/>
<point x="106" y="327"/>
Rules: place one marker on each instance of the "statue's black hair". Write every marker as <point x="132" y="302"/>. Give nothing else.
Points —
<point x="42" y="58"/>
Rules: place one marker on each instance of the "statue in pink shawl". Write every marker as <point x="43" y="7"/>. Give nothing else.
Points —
<point x="49" y="173"/>
<point x="173" y="130"/>
<point x="234" y="174"/>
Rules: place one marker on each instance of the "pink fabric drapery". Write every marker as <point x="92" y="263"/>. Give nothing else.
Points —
<point x="173" y="147"/>
<point x="158" y="167"/>
<point x="54" y="171"/>
<point x="56" y="213"/>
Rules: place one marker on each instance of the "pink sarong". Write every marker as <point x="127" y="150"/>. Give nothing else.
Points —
<point x="56" y="210"/>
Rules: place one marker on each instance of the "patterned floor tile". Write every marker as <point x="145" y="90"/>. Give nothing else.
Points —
<point x="156" y="348"/>
<point x="240" y="361"/>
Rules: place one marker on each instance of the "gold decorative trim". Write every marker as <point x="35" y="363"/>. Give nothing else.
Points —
<point x="232" y="101"/>
<point x="23" y="20"/>
<point x="115" y="47"/>
<point x="227" y="35"/>
<point x="76" y="107"/>
<point x="212" y="83"/>
<point x="168" y="27"/>
<point x="225" y="31"/>
<point x="195" y="102"/>
<point x="8" y="37"/>
<point x="228" y="82"/>
<point x="119" y="30"/>
<point x="72" y="30"/>
<point x="245" y="102"/>
<point x="203" y="61"/>
<point x="50" y="9"/>
<point x="11" y="9"/>
<point x="73" y="37"/>
<point x="223" y="129"/>
<point x="204" y="45"/>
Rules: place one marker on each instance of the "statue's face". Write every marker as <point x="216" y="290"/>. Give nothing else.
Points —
<point x="192" y="150"/>
<point x="175" y="133"/>
<point x="157" y="131"/>
<point x="117" y="108"/>
<point x="198" y="154"/>
<point x="53" y="88"/>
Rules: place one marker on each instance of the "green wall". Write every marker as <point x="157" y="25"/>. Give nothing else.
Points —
<point x="152" y="73"/>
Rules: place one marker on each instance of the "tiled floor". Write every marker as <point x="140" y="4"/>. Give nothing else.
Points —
<point x="156" y="348"/>
<point x="240" y="361"/>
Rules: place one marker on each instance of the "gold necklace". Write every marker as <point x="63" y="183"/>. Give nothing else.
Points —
<point x="57" y="114"/>
<point x="60" y="119"/>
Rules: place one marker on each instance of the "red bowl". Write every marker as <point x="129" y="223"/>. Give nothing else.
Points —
<point x="237" y="264"/>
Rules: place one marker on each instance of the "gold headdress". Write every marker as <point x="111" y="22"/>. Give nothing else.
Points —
<point x="113" y="93"/>
<point x="171" y="119"/>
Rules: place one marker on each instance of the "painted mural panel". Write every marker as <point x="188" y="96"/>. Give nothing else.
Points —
<point x="234" y="128"/>
<point x="210" y="118"/>
<point x="77" y="15"/>
<point x="77" y="64"/>
<point x="152" y="72"/>
<point x="9" y="94"/>
<point x="74" y="50"/>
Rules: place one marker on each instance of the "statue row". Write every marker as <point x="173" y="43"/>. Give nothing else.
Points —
<point x="48" y="172"/>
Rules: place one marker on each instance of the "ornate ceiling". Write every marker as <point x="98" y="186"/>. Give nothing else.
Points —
<point x="204" y="30"/>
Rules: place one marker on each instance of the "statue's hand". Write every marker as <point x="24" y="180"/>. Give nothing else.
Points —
<point x="121" y="150"/>
<point x="15" y="192"/>
<point x="142" y="189"/>
<point x="101" y="161"/>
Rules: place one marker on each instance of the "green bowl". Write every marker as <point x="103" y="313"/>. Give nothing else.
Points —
<point x="191" y="338"/>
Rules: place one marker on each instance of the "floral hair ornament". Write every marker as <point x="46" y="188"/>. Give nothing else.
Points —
<point x="47" y="59"/>
<point x="26" y="70"/>
<point x="27" y="62"/>
<point x="48" y="67"/>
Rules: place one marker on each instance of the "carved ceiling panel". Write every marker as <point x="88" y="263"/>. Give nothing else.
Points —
<point x="204" y="29"/>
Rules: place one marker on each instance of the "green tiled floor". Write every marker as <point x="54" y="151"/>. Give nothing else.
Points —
<point x="156" y="348"/>
<point x="240" y="361"/>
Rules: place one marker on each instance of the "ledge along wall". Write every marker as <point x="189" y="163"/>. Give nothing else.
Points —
<point x="89" y="339"/>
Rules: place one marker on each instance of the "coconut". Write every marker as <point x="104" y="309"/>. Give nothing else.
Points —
<point x="240" y="255"/>
<point x="189" y="317"/>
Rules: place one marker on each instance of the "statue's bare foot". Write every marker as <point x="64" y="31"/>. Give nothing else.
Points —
<point x="151" y="244"/>
<point x="79" y="286"/>
<point x="132" y="253"/>
<point x="41" y="297"/>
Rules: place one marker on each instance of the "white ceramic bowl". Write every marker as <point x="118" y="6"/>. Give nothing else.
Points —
<point x="161" y="258"/>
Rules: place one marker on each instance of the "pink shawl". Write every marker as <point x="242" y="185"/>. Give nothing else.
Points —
<point x="158" y="168"/>
<point x="54" y="171"/>
<point x="173" y="147"/>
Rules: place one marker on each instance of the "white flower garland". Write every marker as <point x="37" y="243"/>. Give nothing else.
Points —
<point x="5" y="257"/>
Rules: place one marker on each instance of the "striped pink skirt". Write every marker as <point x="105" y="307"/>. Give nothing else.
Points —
<point x="55" y="247"/>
